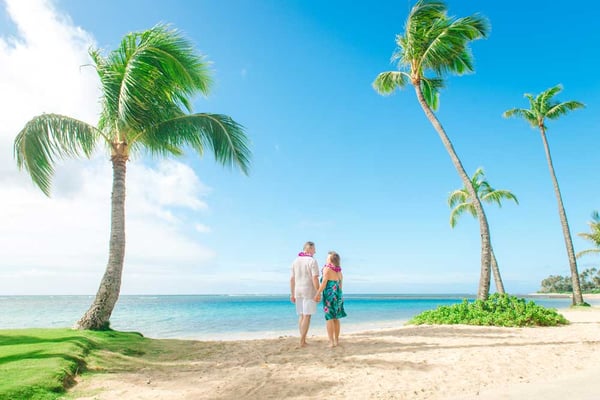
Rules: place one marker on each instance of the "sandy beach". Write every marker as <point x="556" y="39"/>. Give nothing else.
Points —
<point x="410" y="362"/>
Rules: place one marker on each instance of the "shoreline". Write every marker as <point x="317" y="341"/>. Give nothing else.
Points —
<point x="409" y="362"/>
<point x="314" y="332"/>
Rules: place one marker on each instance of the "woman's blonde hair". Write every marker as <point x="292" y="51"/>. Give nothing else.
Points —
<point x="334" y="258"/>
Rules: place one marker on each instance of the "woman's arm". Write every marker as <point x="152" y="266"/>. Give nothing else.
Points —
<point x="326" y="276"/>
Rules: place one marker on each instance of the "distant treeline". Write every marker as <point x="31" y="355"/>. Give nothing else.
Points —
<point x="589" y="279"/>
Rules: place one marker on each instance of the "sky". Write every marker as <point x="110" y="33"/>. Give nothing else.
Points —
<point x="333" y="161"/>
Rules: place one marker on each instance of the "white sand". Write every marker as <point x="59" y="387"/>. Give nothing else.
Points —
<point x="413" y="362"/>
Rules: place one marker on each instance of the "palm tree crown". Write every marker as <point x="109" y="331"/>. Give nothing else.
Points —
<point x="460" y="201"/>
<point x="435" y="42"/>
<point x="543" y="107"/>
<point x="147" y="84"/>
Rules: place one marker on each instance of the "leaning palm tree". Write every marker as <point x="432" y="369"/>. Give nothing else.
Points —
<point x="593" y="236"/>
<point x="432" y="45"/>
<point x="147" y="85"/>
<point x="460" y="202"/>
<point x="542" y="107"/>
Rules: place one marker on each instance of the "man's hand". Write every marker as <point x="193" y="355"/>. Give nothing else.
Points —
<point x="293" y="298"/>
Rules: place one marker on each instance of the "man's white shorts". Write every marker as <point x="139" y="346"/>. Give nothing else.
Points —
<point x="305" y="306"/>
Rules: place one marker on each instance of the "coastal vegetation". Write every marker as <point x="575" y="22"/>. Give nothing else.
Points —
<point x="433" y="45"/>
<point x="147" y="87"/>
<point x="588" y="278"/>
<point x="460" y="202"/>
<point x="497" y="310"/>
<point x="542" y="107"/>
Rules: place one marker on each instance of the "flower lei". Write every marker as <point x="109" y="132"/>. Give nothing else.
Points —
<point x="303" y="254"/>
<point x="333" y="267"/>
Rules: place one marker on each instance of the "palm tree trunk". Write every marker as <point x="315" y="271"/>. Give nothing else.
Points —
<point x="484" y="279"/>
<point x="496" y="272"/>
<point x="98" y="315"/>
<point x="577" y="296"/>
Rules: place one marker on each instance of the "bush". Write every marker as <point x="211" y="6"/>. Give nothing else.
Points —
<point x="497" y="310"/>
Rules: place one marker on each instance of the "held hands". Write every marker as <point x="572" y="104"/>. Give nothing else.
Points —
<point x="317" y="297"/>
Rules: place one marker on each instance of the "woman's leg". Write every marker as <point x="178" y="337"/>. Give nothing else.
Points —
<point x="331" y="332"/>
<point x="336" y="334"/>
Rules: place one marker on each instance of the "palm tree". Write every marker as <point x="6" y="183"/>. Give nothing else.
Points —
<point x="434" y="42"/>
<point x="543" y="107"/>
<point x="147" y="84"/>
<point x="593" y="236"/>
<point x="460" y="202"/>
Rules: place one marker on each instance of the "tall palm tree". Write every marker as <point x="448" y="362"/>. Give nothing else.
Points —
<point x="542" y="107"/>
<point x="593" y="236"/>
<point x="460" y="202"/>
<point x="147" y="85"/>
<point x="437" y="44"/>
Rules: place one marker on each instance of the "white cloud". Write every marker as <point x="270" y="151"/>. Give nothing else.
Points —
<point x="60" y="245"/>
<point x="203" y="228"/>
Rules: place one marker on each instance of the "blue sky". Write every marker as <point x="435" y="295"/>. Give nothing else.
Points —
<point x="333" y="161"/>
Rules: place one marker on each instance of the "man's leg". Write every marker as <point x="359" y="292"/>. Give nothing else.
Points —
<point x="304" y="325"/>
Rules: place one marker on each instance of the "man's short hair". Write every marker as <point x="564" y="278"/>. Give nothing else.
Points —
<point x="309" y="245"/>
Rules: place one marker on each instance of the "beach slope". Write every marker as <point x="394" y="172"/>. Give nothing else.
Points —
<point x="411" y="362"/>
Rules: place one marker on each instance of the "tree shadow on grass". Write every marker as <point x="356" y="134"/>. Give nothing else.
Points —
<point x="41" y="354"/>
<point x="10" y="340"/>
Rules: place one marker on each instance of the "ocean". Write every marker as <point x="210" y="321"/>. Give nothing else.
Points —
<point x="224" y="317"/>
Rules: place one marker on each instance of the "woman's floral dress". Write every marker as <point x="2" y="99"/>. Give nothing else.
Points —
<point x="333" y="302"/>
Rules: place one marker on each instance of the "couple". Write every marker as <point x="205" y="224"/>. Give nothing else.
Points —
<point x="306" y="292"/>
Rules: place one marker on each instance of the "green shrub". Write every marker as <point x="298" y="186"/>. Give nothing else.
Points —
<point x="497" y="310"/>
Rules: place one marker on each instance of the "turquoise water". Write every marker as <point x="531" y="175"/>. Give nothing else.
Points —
<point x="222" y="317"/>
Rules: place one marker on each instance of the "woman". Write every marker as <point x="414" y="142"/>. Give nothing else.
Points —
<point x="333" y="302"/>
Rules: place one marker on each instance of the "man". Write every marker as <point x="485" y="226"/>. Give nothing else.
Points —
<point x="304" y="283"/>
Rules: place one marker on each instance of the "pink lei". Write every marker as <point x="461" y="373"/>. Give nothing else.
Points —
<point x="303" y="254"/>
<point x="333" y="267"/>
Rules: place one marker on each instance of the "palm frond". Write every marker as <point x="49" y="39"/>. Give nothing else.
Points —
<point x="478" y="175"/>
<point x="422" y="14"/>
<point x="387" y="82"/>
<point x="560" y="109"/>
<point x="459" y="210"/>
<point x="496" y="196"/>
<point x="447" y="44"/>
<point x="218" y="132"/>
<point x="430" y="88"/>
<point x="48" y="138"/>
<point x="148" y="70"/>
<point x="527" y="115"/>
<point x="594" y="235"/>
<point x="585" y="252"/>
<point x="544" y="98"/>
<point x="458" y="196"/>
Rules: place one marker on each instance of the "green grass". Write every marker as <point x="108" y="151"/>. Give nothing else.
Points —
<point x="41" y="363"/>
<point x="498" y="310"/>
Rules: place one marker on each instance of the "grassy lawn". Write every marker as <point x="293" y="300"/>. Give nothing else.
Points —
<point x="41" y="363"/>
